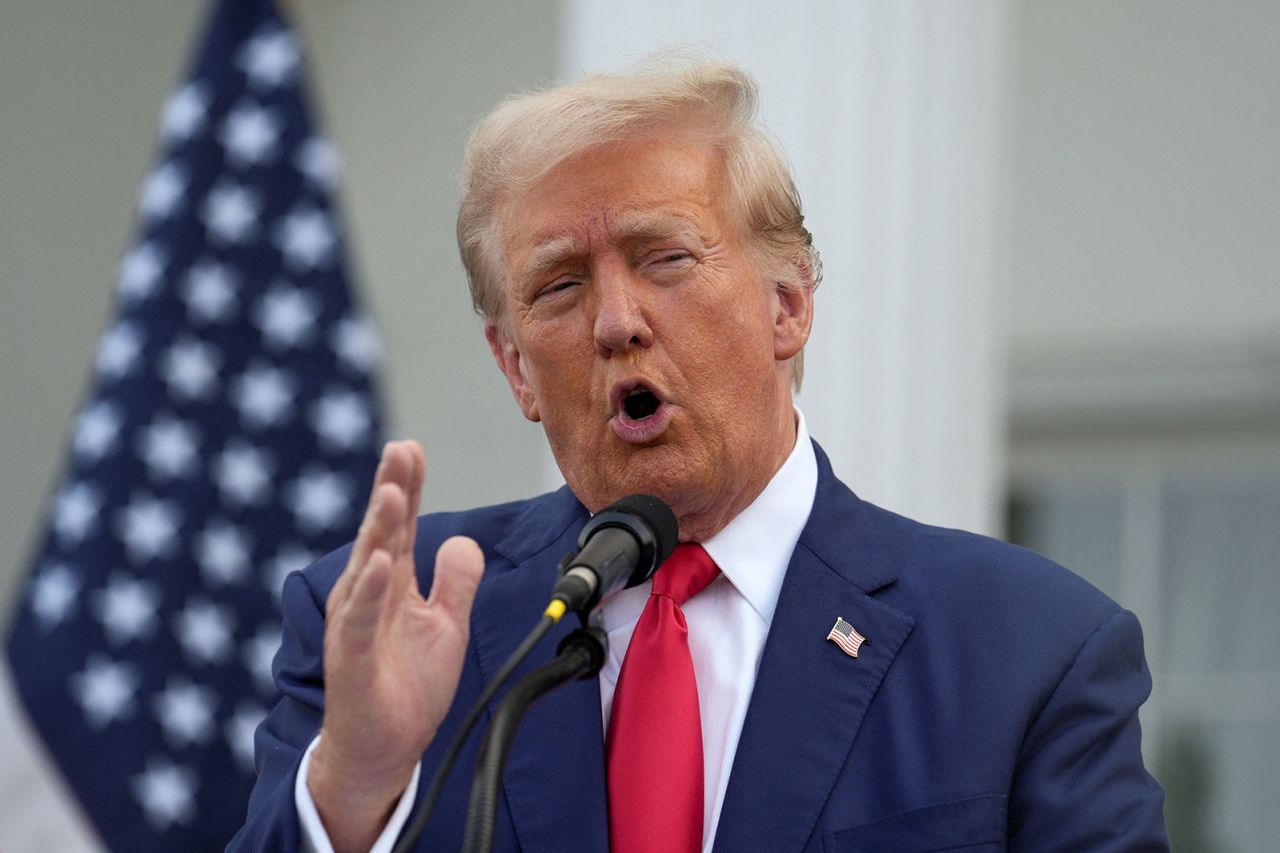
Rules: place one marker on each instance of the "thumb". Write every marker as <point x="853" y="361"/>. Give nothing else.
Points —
<point x="459" y="565"/>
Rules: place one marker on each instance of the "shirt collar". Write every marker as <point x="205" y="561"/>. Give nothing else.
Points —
<point x="754" y="549"/>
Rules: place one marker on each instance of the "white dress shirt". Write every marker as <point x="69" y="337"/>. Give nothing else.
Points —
<point x="728" y="622"/>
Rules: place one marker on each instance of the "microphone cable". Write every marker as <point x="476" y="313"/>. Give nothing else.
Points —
<point x="555" y="610"/>
<point x="580" y="655"/>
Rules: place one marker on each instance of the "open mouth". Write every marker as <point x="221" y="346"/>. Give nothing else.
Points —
<point x="641" y="413"/>
<point x="640" y="403"/>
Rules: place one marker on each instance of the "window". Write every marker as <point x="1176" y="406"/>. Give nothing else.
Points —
<point x="1184" y="531"/>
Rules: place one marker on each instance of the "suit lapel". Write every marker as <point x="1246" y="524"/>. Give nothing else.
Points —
<point x="556" y="799"/>
<point x="810" y="697"/>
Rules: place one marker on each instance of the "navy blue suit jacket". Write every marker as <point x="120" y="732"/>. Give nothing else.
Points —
<point x="993" y="707"/>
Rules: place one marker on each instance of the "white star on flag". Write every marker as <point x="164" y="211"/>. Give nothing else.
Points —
<point x="140" y="271"/>
<point x="270" y="58"/>
<point x="168" y="446"/>
<point x="307" y="238"/>
<point x="222" y="550"/>
<point x="162" y="191"/>
<point x="243" y="473"/>
<point x="76" y="511"/>
<point x="210" y="292"/>
<point x="53" y="594"/>
<point x="185" y="711"/>
<point x="126" y="607"/>
<point x="149" y="528"/>
<point x="204" y="630"/>
<point x="97" y="429"/>
<point x="258" y="653"/>
<point x="263" y="395"/>
<point x="230" y="212"/>
<point x="318" y="159"/>
<point x="105" y="690"/>
<point x="319" y="499"/>
<point x="287" y="316"/>
<point x="342" y="419"/>
<point x="119" y="350"/>
<point x="290" y="558"/>
<point x="190" y="369"/>
<point x="357" y="344"/>
<point x="185" y="112"/>
<point x="239" y="732"/>
<point x="250" y="134"/>
<point x="166" y="793"/>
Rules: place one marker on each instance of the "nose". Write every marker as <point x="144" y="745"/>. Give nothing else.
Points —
<point x="621" y="321"/>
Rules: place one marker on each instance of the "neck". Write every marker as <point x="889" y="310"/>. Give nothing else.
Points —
<point x="698" y="523"/>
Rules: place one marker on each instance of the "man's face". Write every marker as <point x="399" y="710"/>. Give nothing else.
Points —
<point x="636" y="331"/>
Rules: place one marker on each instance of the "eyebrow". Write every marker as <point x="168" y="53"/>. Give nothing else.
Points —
<point x="625" y="226"/>
<point x="653" y="225"/>
<point x="548" y="255"/>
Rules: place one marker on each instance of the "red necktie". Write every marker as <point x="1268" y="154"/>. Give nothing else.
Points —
<point x="655" y="731"/>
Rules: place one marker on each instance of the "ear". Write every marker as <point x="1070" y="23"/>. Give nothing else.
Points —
<point x="507" y="355"/>
<point x="793" y="317"/>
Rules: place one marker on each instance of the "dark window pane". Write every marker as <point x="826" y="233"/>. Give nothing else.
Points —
<point x="1222" y="573"/>
<point x="1076" y="524"/>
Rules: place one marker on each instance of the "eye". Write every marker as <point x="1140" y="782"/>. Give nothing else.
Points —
<point x="558" y="287"/>
<point x="670" y="258"/>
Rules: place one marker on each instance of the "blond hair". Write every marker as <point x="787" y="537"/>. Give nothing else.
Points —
<point x="529" y="134"/>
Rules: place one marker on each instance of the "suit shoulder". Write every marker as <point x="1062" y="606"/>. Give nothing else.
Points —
<point x="1013" y="622"/>
<point x="488" y="525"/>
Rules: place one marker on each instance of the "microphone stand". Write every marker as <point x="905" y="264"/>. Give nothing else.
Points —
<point x="579" y="656"/>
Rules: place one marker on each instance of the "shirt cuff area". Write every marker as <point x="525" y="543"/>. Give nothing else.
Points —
<point x="314" y="837"/>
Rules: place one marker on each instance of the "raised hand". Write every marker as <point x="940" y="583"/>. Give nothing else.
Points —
<point x="392" y="659"/>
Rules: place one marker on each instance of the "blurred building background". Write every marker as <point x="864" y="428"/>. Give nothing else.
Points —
<point x="1051" y="309"/>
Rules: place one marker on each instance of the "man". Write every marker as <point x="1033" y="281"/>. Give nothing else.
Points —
<point x="637" y="251"/>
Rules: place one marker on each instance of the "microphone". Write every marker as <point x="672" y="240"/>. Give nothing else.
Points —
<point x="621" y="546"/>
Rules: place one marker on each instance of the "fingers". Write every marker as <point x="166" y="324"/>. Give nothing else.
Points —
<point x="395" y="470"/>
<point x="399" y="474"/>
<point x="459" y="565"/>
<point x="417" y="476"/>
<point x="360" y="615"/>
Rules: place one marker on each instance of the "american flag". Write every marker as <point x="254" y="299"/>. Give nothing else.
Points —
<point x="846" y="637"/>
<point x="228" y="437"/>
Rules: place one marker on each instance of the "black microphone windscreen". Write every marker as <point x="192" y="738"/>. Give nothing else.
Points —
<point x="659" y="517"/>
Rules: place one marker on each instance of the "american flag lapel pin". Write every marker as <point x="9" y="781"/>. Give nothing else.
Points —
<point x="846" y="637"/>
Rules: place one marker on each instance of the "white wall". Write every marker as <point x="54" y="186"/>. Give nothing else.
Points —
<point x="1146" y="240"/>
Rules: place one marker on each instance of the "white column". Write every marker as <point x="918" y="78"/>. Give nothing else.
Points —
<point x="892" y="115"/>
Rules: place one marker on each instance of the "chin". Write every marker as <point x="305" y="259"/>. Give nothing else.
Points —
<point x="610" y="480"/>
<point x="672" y="480"/>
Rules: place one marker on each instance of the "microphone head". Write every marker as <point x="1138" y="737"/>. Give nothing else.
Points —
<point x="650" y="521"/>
<point x="659" y="517"/>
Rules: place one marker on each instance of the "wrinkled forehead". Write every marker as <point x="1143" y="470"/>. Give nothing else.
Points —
<point x="639" y="189"/>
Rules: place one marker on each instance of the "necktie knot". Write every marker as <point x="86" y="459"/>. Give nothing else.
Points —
<point x="685" y="573"/>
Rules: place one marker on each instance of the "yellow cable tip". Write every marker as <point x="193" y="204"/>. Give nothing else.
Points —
<point x="555" y="610"/>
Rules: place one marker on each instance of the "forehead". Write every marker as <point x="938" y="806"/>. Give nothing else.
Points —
<point x="641" y="188"/>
